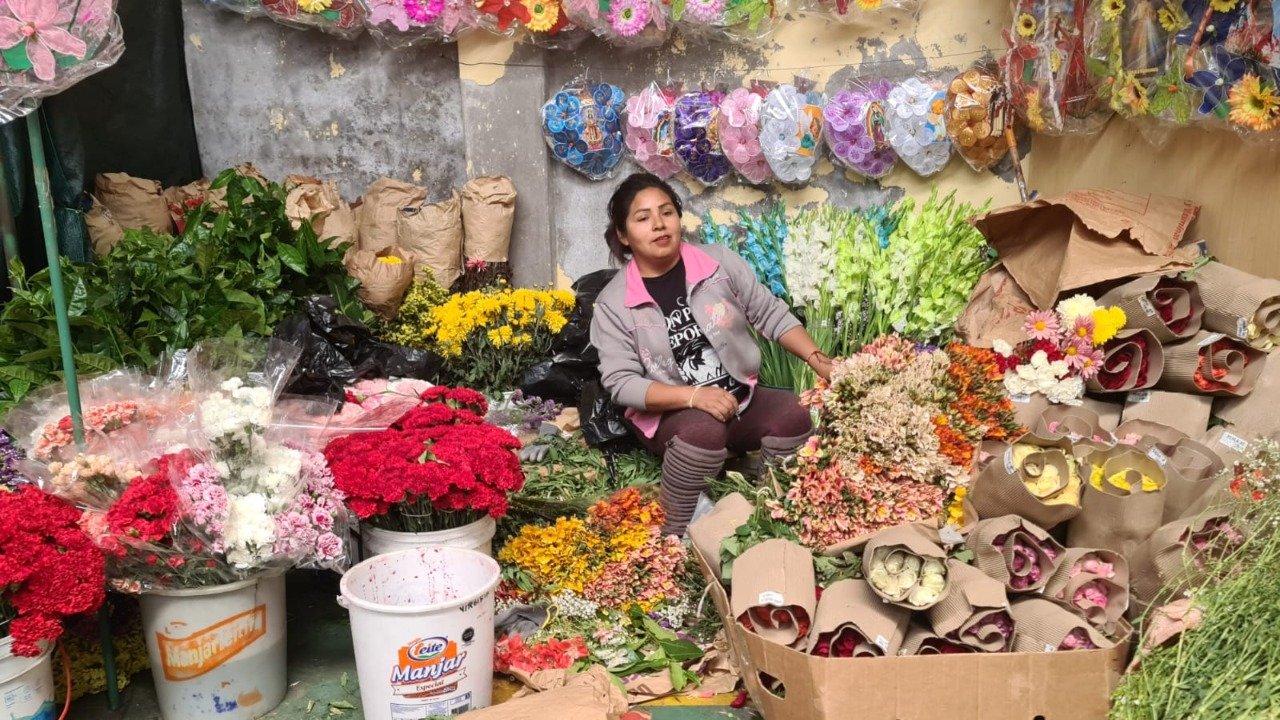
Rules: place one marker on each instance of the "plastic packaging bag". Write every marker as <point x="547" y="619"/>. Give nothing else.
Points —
<point x="740" y="132"/>
<point x="1047" y="67"/>
<point x="550" y="27"/>
<point x="405" y="23"/>
<point x="602" y="421"/>
<point x="791" y="130"/>
<point x="582" y="124"/>
<point x="975" y="118"/>
<point x="51" y="45"/>
<point x="252" y="8"/>
<point x="575" y="361"/>
<point x="623" y="23"/>
<point x="915" y="126"/>
<point x="343" y="18"/>
<point x="738" y="21"/>
<point x="856" y="11"/>
<point x="696" y="144"/>
<point x="855" y="127"/>
<point x="650" y="129"/>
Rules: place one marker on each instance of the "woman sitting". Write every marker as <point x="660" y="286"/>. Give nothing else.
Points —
<point x="674" y="334"/>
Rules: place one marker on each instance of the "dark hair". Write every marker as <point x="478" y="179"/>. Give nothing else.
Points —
<point x="620" y="207"/>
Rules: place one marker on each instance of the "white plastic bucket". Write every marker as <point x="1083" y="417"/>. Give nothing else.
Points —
<point x="422" y="625"/>
<point x="474" y="536"/>
<point x="217" y="652"/>
<point x="26" y="685"/>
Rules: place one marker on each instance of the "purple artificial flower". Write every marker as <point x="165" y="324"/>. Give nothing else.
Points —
<point x="696" y="143"/>
<point x="1216" y="80"/>
<point x="848" y="126"/>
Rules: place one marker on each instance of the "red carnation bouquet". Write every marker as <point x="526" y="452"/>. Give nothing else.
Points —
<point x="49" y="568"/>
<point x="438" y="467"/>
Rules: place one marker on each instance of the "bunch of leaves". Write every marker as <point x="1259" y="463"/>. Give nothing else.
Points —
<point x="234" y="270"/>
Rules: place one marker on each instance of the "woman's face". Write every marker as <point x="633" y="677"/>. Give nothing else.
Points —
<point x="653" y="227"/>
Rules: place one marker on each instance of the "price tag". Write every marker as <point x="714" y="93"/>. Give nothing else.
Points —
<point x="1020" y="399"/>
<point x="1146" y="306"/>
<point x="769" y="597"/>
<point x="1140" y="396"/>
<point x="1242" y="328"/>
<point x="1155" y="454"/>
<point x="882" y="642"/>
<point x="1050" y="648"/>
<point x="1235" y="442"/>
<point x="950" y="535"/>
<point x="1009" y="467"/>
<point x="1211" y="339"/>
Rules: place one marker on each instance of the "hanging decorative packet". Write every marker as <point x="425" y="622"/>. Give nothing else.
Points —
<point x="1047" y="66"/>
<point x="791" y="130"/>
<point x="697" y="145"/>
<point x="976" y="118"/>
<point x="344" y="18"/>
<point x="628" y="23"/>
<point x="916" y="129"/>
<point x="502" y="17"/>
<point x="583" y="127"/>
<point x="1207" y="57"/>
<point x="244" y="7"/>
<point x="404" y="23"/>
<point x="855" y="127"/>
<point x="650" y="129"/>
<point x="740" y="132"/>
<point x="549" y="26"/>
<point x="739" y="21"/>
<point x="850" y="11"/>
<point x="47" y="46"/>
<point x="1130" y="56"/>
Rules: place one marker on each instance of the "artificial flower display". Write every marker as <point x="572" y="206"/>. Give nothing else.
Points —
<point x="1047" y="67"/>
<point x="404" y="23"/>
<point x="344" y="18"/>
<point x="739" y="126"/>
<point x="855" y="128"/>
<point x="629" y="23"/>
<point x="791" y="131"/>
<point x="915" y="126"/>
<point x="582" y="124"/>
<point x="696" y="144"/>
<point x="46" y="46"/>
<point x="734" y="20"/>
<point x="650" y="129"/>
<point x="975" y="118"/>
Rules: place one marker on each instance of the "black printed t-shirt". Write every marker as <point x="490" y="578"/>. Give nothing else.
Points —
<point x="697" y="359"/>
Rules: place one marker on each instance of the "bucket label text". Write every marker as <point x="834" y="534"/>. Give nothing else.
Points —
<point x="428" y="667"/>
<point x="184" y="658"/>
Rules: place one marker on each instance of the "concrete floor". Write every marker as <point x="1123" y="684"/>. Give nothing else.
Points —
<point x="320" y="655"/>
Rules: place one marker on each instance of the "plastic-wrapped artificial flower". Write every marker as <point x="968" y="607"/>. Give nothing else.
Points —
<point x="582" y="124"/>
<point x="855" y="127"/>
<point x="740" y="134"/>
<point x="696" y="144"/>
<point x="650" y="129"/>
<point x="791" y="131"/>
<point x="915" y="125"/>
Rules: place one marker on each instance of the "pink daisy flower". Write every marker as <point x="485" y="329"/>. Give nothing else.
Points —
<point x="1091" y="362"/>
<point x="1082" y="329"/>
<point x="1075" y="352"/>
<point x="1043" y="325"/>
<point x="629" y="17"/>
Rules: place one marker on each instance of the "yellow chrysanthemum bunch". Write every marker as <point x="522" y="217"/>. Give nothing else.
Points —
<point x="504" y="317"/>
<point x="565" y="555"/>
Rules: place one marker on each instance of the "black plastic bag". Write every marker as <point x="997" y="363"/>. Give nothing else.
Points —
<point x="574" y="362"/>
<point x="575" y="338"/>
<point x="603" y="422"/>
<point x="337" y="351"/>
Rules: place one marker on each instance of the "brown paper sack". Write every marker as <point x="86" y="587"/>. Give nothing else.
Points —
<point x="1241" y="364"/>
<point x="1085" y="237"/>
<point x="998" y="562"/>
<point x="179" y="198"/>
<point x="1112" y="518"/>
<point x="1027" y="409"/>
<point x="1000" y="488"/>
<point x="1168" y="563"/>
<point x="921" y="640"/>
<point x="589" y="695"/>
<point x="104" y="231"/>
<point x="433" y="233"/>
<point x="965" y="614"/>
<point x="1063" y="587"/>
<point x="380" y="211"/>
<point x="723" y="520"/>
<point x="249" y="170"/>
<point x="1184" y="412"/>
<point x="319" y="201"/>
<point x="1190" y="472"/>
<point x="997" y="310"/>
<point x="1079" y="424"/>
<point x="1123" y="359"/>
<point x="134" y="202"/>
<point x="1043" y="625"/>
<point x="382" y="284"/>
<point x="852" y="607"/>
<point x="488" y="213"/>
<point x="1147" y="300"/>
<point x="1257" y="412"/>
<point x="909" y="541"/>
<point x="773" y="589"/>
<point x="1235" y="299"/>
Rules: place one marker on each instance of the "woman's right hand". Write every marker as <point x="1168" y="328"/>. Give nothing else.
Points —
<point x="716" y="402"/>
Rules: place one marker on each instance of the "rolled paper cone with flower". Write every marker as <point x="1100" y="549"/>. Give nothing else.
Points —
<point x="1123" y="501"/>
<point x="1093" y="583"/>
<point x="1045" y="626"/>
<point x="1034" y="478"/>
<point x="1016" y="552"/>
<point x="905" y="568"/>
<point x="975" y="611"/>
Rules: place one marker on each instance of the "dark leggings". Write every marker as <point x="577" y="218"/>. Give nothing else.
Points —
<point x="772" y="413"/>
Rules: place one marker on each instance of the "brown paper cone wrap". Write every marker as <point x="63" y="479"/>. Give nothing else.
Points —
<point x="1242" y="363"/>
<point x="1234" y="298"/>
<point x="911" y="539"/>
<point x="776" y="574"/>
<point x="922" y="640"/>
<point x="134" y="202"/>
<point x="433" y="233"/>
<point x="1190" y="473"/>
<point x="1000" y="487"/>
<point x="1143" y="298"/>
<point x="1108" y="411"/>
<point x="1166" y="564"/>
<point x="1027" y="409"/>
<point x="379" y="213"/>
<point x="1062" y="587"/>
<point x="382" y="285"/>
<point x="104" y="231"/>
<point x="854" y="605"/>
<point x="1232" y="444"/>
<point x="488" y="214"/>
<point x="318" y="201"/>
<point x="1144" y="435"/>
<point x="1041" y="626"/>
<point x="973" y="597"/>
<point x="711" y="529"/>
<point x="1079" y="424"/>
<point x="1184" y="412"/>
<point x="1111" y="518"/>
<point x="998" y="562"/>
<point x="1123" y="358"/>
<point x="1256" y="413"/>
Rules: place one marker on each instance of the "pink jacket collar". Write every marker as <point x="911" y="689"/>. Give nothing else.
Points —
<point x="698" y="266"/>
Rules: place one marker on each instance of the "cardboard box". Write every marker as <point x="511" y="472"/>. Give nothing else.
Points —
<point x="1073" y="685"/>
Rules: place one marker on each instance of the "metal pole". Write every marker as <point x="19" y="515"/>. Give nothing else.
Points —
<point x="49" y="227"/>
<point x="6" y="223"/>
